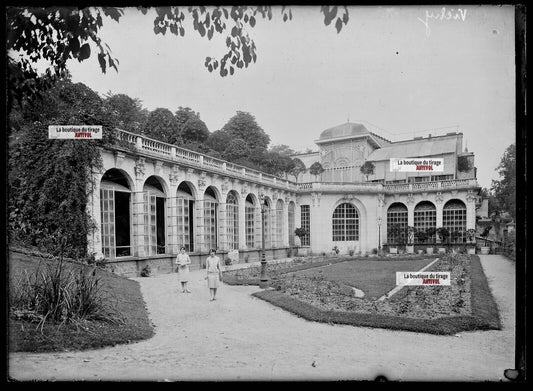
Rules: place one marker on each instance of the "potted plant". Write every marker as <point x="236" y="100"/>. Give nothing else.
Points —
<point x="454" y="239"/>
<point x="410" y="240"/>
<point x="335" y="250"/>
<point x="444" y="235"/>
<point x="300" y="233"/>
<point x="430" y="232"/>
<point x="485" y="249"/>
<point x="471" y="237"/>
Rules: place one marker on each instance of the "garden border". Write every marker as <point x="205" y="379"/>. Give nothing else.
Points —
<point x="485" y="315"/>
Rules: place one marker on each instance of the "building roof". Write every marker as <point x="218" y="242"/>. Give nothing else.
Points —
<point x="415" y="148"/>
<point x="345" y="130"/>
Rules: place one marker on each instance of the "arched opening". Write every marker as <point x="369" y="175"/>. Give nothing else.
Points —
<point x="291" y="222"/>
<point x="425" y="220"/>
<point x="454" y="220"/>
<point x="249" y="220"/>
<point x="115" y="213"/>
<point x="210" y="237"/>
<point x="185" y="216"/>
<point x="280" y="226"/>
<point x="345" y="222"/>
<point x="155" y="217"/>
<point x="397" y="223"/>
<point x="232" y="221"/>
<point x="266" y="209"/>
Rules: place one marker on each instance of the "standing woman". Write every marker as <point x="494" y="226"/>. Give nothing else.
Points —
<point x="214" y="273"/>
<point x="183" y="261"/>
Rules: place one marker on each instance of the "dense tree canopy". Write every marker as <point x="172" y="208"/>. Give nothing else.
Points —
<point x="244" y="126"/>
<point x="128" y="112"/>
<point x="504" y="189"/>
<point x="161" y="125"/>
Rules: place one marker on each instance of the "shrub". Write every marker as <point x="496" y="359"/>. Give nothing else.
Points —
<point x="59" y="294"/>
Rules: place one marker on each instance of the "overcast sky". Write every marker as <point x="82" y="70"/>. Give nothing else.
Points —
<point x="403" y="69"/>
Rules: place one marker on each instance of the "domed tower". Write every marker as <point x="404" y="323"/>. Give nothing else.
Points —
<point x="343" y="150"/>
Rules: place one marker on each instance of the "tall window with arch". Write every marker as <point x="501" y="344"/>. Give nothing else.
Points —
<point x="280" y="226"/>
<point x="249" y="221"/>
<point x="210" y="218"/>
<point x="232" y="221"/>
<point x="425" y="218"/>
<point x="115" y="209"/>
<point x="185" y="216"/>
<point x="345" y="223"/>
<point x="396" y="223"/>
<point x="154" y="200"/>
<point x="291" y="223"/>
<point x="454" y="219"/>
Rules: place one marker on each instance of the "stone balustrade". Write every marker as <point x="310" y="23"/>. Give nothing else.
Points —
<point x="157" y="148"/>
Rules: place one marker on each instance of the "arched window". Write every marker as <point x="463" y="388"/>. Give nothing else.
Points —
<point x="396" y="223"/>
<point x="345" y="223"/>
<point x="210" y="219"/>
<point x="115" y="206"/>
<point x="454" y="219"/>
<point x="279" y="223"/>
<point x="232" y="221"/>
<point x="249" y="221"/>
<point x="268" y="220"/>
<point x="154" y="217"/>
<point x="185" y="216"/>
<point x="291" y="223"/>
<point x="425" y="218"/>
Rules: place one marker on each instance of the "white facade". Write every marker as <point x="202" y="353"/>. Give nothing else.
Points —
<point x="151" y="198"/>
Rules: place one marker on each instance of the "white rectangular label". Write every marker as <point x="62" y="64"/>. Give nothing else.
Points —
<point x="77" y="132"/>
<point x="416" y="165"/>
<point x="423" y="278"/>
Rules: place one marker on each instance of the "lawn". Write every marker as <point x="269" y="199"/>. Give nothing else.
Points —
<point x="373" y="277"/>
<point x="121" y="294"/>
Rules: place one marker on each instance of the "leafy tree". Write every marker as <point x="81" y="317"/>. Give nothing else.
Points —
<point x="57" y="34"/>
<point x="194" y="131"/>
<point x="298" y="168"/>
<point x="282" y="149"/>
<point x="505" y="188"/>
<point x="316" y="169"/>
<point x="276" y="164"/>
<point x="463" y="164"/>
<point x="237" y="150"/>
<point x="128" y="111"/>
<point x="162" y="125"/>
<point x="244" y="126"/>
<point x="218" y="140"/>
<point x="368" y="169"/>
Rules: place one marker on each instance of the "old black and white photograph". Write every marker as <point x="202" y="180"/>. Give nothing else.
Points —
<point x="237" y="193"/>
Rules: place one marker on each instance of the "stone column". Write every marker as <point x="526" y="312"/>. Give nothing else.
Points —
<point x="471" y="210"/>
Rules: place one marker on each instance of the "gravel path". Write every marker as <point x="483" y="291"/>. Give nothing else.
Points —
<point x="239" y="337"/>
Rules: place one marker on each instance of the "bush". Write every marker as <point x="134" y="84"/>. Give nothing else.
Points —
<point x="146" y="271"/>
<point x="59" y="294"/>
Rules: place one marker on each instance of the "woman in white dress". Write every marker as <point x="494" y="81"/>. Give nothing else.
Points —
<point x="183" y="261"/>
<point x="214" y="273"/>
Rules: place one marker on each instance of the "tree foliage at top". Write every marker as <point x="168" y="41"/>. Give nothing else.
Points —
<point x="57" y="34"/>
<point x="504" y="189"/>
<point x="316" y="169"/>
<point x="161" y="125"/>
<point x="244" y="126"/>
<point x="128" y="112"/>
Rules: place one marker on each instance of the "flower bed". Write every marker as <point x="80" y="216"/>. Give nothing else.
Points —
<point x="466" y="304"/>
